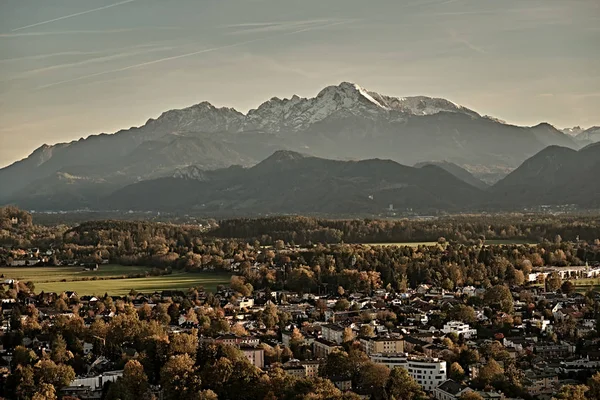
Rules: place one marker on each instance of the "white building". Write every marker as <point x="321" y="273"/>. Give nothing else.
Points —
<point x="333" y="333"/>
<point x="96" y="382"/>
<point x="428" y="372"/>
<point x="459" y="328"/>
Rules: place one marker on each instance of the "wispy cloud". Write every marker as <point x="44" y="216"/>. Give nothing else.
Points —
<point x="180" y="56"/>
<point x="461" y="39"/>
<point x="72" y="15"/>
<point x="257" y="27"/>
<point x="51" y="55"/>
<point x="85" y="32"/>
<point x="145" y="49"/>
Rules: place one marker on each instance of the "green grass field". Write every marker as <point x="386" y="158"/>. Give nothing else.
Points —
<point x="583" y="285"/>
<point x="53" y="274"/>
<point x="49" y="279"/>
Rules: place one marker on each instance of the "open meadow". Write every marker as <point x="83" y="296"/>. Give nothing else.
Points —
<point x="111" y="279"/>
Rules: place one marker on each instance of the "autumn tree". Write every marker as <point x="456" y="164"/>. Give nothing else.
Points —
<point x="179" y="378"/>
<point x="594" y="387"/>
<point x="400" y="385"/>
<point x="347" y="335"/>
<point x="45" y="391"/>
<point x="572" y="392"/>
<point x="471" y="395"/>
<point x="499" y="298"/>
<point x="456" y="372"/>
<point x="553" y="282"/>
<point x="366" y="331"/>
<point x="490" y="371"/>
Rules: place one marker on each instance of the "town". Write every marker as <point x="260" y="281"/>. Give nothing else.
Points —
<point x="442" y="320"/>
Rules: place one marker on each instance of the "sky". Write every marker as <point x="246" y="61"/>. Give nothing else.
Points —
<point x="72" y="68"/>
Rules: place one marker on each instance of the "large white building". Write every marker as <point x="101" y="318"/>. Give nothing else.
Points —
<point x="428" y="372"/>
<point x="460" y="328"/>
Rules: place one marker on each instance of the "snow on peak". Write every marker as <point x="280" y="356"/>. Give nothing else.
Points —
<point x="297" y="113"/>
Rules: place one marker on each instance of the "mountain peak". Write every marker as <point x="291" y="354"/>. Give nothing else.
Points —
<point x="285" y="155"/>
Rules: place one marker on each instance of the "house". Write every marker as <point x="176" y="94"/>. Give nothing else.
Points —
<point x="459" y="328"/>
<point x="382" y="344"/>
<point x="540" y="382"/>
<point x="294" y="368"/>
<point x="322" y="347"/>
<point x="333" y="333"/>
<point x="450" y="390"/>
<point x="254" y="354"/>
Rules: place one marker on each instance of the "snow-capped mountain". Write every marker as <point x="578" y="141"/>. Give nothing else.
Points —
<point x="296" y="114"/>
<point x="344" y="121"/>
<point x="574" y="131"/>
<point x="590" y="135"/>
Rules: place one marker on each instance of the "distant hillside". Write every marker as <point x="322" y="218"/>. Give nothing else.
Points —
<point x="556" y="175"/>
<point x="288" y="182"/>
<point x="457" y="171"/>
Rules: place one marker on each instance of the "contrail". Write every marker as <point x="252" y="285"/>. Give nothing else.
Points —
<point x="183" y="56"/>
<point x="146" y="63"/>
<point x="73" y="15"/>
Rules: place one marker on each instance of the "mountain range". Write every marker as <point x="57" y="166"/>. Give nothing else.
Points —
<point x="205" y="144"/>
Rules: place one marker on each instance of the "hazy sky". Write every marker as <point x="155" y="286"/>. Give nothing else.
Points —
<point x="71" y="68"/>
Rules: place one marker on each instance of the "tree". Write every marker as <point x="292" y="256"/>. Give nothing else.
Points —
<point x="472" y="395"/>
<point x="553" y="282"/>
<point x="45" y="392"/>
<point x="23" y="356"/>
<point x="60" y="354"/>
<point x="47" y="371"/>
<point x="341" y="305"/>
<point x="490" y="371"/>
<point x="456" y="372"/>
<point x="567" y="287"/>
<point x="184" y="343"/>
<point x="134" y="383"/>
<point x="594" y="385"/>
<point x="179" y="378"/>
<point x="463" y="313"/>
<point x="499" y="298"/>
<point x="269" y="316"/>
<point x="348" y="335"/>
<point x="572" y="392"/>
<point x="366" y="331"/>
<point x="372" y="377"/>
<point x="238" y="283"/>
<point x="400" y="385"/>
<point x="24" y="381"/>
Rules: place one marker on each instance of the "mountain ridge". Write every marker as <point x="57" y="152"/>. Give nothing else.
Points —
<point x="342" y="121"/>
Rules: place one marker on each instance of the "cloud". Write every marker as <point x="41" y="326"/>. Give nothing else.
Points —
<point x="258" y="27"/>
<point x="110" y="57"/>
<point x="85" y="32"/>
<point x="461" y="39"/>
<point x="180" y="56"/>
<point x="72" y="15"/>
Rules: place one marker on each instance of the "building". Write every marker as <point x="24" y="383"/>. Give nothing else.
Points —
<point x="294" y="368"/>
<point x="333" y="333"/>
<point x="450" y="390"/>
<point x="383" y="345"/>
<point x="459" y="328"/>
<point x="96" y="382"/>
<point x="323" y="347"/>
<point x="540" y="382"/>
<point x="428" y="372"/>
<point x="311" y="368"/>
<point x="254" y="354"/>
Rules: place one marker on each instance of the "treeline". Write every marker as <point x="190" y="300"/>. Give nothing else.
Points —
<point x="304" y="230"/>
